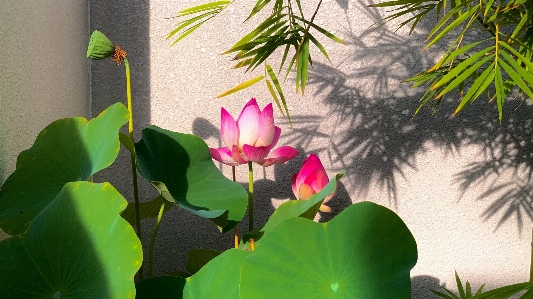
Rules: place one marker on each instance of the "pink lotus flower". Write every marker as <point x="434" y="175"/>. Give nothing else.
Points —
<point x="251" y="138"/>
<point x="310" y="180"/>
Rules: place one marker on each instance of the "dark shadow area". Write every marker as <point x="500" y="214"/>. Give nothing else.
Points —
<point x="421" y="286"/>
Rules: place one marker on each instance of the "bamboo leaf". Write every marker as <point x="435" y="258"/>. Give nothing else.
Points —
<point x="242" y="63"/>
<point x="203" y="7"/>
<point x="484" y="85"/>
<point x="453" y="25"/>
<point x="468" y="290"/>
<point x="500" y="93"/>
<point x="459" y="285"/>
<point x="487" y="7"/>
<point x="517" y="79"/>
<point x="262" y="27"/>
<point x="475" y="88"/>
<point x="257" y="8"/>
<point x="460" y="67"/>
<point x="186" y="23"/>
<point x="274" y="96"/>
<point x="462" y="77"/>
<point x="275" y="80"/>
<point x="241" y="86"/>
<point x="321" y="30"/>
<point x="527" y="76"/>
<point x="442" y="21"/>
<point x="447" y="58"/>
<point x="285" y="52"/>
<point x="187" y="32"/>
<point x="522" y="58"/>
<point x="302" y="66"/>
<point x="520" y="25"/>
<point x="480" y="290"/>
<point x="319" y="46"/>
<point x="424" y="79"/>
<point x="397" y="3"/>
<point x="262" y="56"/>
<point x="426" y="97"/>
<point x="300" y="8"/>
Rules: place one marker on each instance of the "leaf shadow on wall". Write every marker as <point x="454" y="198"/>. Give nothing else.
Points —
<point x="370" y="130"/>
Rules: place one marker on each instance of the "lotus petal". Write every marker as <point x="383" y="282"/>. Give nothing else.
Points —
<point x="237" y="156"/>
<point x="255" y="153"/>
<point x="223" y="155"/>
<point x="228" y="128"/>
<point x="279" y="156"/>
<point x="248" y="124"/>
<point x="266" y="127"/>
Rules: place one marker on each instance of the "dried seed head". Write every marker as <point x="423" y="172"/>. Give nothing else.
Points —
<point x="100" y="47"/>
<point x="119" y="55"/>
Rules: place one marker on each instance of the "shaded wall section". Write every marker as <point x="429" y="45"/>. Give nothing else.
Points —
<point x="44" y="75"/>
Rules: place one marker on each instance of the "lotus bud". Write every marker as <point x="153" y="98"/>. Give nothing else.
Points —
<point x="100" y="47"/>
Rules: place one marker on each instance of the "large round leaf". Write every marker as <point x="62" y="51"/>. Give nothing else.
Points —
<point x="181" y="168"/>
<point x="77" y="247"/>
<point x="218" y="279"/>
<point x="67" y="150"/>
<point x="365" y="252"/>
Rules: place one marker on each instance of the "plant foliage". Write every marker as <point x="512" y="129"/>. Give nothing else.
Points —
<point x="494" y="65"/>
<point x="286" y="28"/>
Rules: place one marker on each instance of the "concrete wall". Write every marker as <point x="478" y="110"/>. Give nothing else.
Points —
<point x="460" y="184"/>
<point x="44" y="73"/>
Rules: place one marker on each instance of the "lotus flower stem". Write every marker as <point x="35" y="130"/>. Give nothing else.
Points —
<point x="133" y="162"/>
<point x="152" y="241"/>
<point x="252" y="243"/>
<point x="250" y="197"/>
<point x="236" y="229"/>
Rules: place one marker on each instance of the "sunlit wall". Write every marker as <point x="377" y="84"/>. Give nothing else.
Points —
<point x="44" y="74"/>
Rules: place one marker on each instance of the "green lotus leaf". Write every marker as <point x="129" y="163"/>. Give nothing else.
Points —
<point x="197" y="258"/>
<point x="77" y="247"/>
<point x="218" y="279"/>
<point x="67" y="150"/>
<point x="365" y="252"/>
<point x="181" y="168"/>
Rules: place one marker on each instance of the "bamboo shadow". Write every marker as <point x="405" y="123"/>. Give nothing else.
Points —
<point x="370" y="129"/>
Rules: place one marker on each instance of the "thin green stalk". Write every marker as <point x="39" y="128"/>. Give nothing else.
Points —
<point x="531" y="266"/>
<point x="152" y="240"/>
<point x="250" y="197"/>
<point x="133" y="162"/>
<point x="236" y="229"/>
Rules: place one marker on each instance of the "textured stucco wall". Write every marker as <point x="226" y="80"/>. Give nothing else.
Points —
<point x="448" y="178"/>
<point x="44" y="73"/>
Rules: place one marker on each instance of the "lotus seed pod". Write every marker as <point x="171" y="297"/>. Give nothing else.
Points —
<point x="100" y="47"/>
